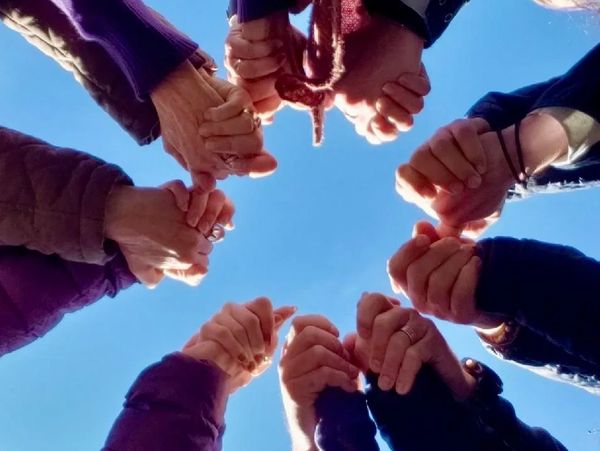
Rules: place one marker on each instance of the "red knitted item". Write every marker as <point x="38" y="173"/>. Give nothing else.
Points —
<point x="310" y="85"/>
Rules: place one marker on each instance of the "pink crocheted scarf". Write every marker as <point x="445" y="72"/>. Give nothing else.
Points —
<point x="320" y="65"/>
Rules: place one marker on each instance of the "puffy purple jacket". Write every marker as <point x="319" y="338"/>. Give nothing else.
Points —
<point x="37" y="290"/>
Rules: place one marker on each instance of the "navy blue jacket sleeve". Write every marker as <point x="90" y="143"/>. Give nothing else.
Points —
<point x="248" y="10"/>
<point x="343" y="422"/>
<point x="428" y="417"/>
<point x="579" y="89"/>
<point x="549" y="289"/>
<point x="427" y="18"/>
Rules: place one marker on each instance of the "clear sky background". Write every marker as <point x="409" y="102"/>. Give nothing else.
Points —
<point x="316" y="234"/>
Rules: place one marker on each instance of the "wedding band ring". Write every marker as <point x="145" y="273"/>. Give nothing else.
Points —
<point x="410" y="334"/>
<point x="216" y="234"/>
<point x="228" y="159"/>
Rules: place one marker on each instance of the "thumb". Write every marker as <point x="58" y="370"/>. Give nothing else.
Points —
<point x="282" y="314"/>
<point x="257" y="166"/>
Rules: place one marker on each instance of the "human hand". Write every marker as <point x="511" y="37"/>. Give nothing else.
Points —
<point x="240" y="340"/>
<point x="254" y="58"/>
<point x="209" y="213"/>
<point x="233" y="131"/>
<point x="395" y="342"/>
<point x="184" y="101"/>
<point x="447" y="184"/>
<point x="164" y="231"/>
<point x="375" y="55"/>
<point x="439" y="277"/>
<point x="313" y="358"/>
<point x="400" y="101"/>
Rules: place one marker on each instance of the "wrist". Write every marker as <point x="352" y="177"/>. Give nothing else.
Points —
<point x="543" y="141"/>
<point x="117" y="210"/>
<point x="302" y="424"/>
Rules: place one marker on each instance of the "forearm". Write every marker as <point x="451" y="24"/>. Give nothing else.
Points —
<point x="142" y="44"/>
<point x="174" y="404"/>
<point x="485" y="421"/>
<point x="427" y="18"/>
<point x="528" y="282"/>
<point x="38" y="290"/>
<point x="535" y="352"/>
<point x="54" y="199"/>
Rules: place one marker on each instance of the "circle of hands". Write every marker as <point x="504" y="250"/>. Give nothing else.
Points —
<point x="213" y="128"/>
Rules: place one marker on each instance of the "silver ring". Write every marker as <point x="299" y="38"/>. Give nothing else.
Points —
<point x="410" y="334"/>
<point x="228" y="159"/>
<point x="216" y="234"/>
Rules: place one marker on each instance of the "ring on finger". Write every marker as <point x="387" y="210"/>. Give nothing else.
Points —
<point x="410" y="333"/>
<point x="228" y="159"/>
<point x="256" y="121"/>
<point x="216" y="234"/>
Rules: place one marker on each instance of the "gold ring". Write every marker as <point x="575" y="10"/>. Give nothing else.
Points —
<point x="410" y="334"/>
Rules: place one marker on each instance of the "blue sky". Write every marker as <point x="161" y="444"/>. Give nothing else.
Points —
<point x="316" y="234"/>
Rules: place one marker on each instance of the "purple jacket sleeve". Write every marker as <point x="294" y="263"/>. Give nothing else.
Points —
<point x="37" y="290"/>
<point x="144" y="46"/>
<point x="176" y="404"/>
<point x="53" y="200"/>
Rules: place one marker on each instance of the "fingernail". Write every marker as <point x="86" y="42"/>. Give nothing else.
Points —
<point x="354" y="371"/>
<point x="334" y="330"/>
<point x="277" y="319"/>
<point x="242" y="358"/>
<point x="456" y="188"/>
<point x="422" y="241"/>
<point x="385" y="383"/>
<point x="387" y="88"/>
<point x="205" y="227"/>
<point x="401" y="388"/>
<point x="376" y="365"/>
<point x="203" y="131"/>
<point x="259" y="358"/>
<point x="251" y="366"/>
<point x="474" y="181"/>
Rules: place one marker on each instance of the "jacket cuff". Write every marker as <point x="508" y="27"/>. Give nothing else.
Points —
<point x="248" y="10"/>
<point x="426" y="18"/>
<point x="195" y="387"/>
<point x="94" y="246"/>
<point x="144" y="45"/>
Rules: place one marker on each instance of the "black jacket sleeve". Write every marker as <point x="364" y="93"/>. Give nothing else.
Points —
<point x="551" y="291"/>
<point x="428" y="417"/>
